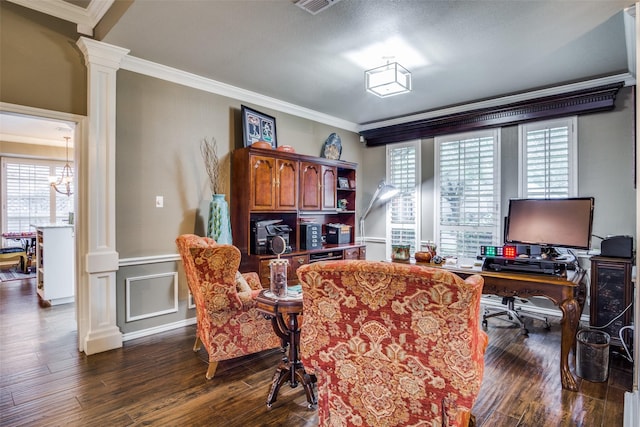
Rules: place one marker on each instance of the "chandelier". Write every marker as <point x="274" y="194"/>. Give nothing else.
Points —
<point x="62" y="184"/>
<point x="388" y="80"/>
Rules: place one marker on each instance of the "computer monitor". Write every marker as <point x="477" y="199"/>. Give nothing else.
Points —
<point x="550" y="223"/>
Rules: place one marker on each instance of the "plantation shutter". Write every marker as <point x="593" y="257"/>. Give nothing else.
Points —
<point x="468" y="193"/>
<point x="27" y="195"/>
<point x="548" y="151"/>
<point x="402" y="172"/>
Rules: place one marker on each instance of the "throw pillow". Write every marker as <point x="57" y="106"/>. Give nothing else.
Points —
<point x="241" y="283"/>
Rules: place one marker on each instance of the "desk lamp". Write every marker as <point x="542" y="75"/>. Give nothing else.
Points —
<point x="384" y="193"/>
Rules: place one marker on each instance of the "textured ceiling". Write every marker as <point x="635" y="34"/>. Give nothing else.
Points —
<point x="460" y="51"/>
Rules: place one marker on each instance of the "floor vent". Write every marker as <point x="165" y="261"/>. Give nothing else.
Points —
<point x="315" y="6"/>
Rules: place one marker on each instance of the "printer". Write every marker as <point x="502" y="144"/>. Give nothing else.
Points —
<point x="263" y="232"/>
<point x="617" y="247"/>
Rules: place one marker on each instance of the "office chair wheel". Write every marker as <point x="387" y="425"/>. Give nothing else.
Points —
<point x="485" y="324"/>
<point x="525" y="332"/>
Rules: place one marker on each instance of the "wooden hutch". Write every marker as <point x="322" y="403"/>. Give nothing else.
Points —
<point x="268" y="185"/>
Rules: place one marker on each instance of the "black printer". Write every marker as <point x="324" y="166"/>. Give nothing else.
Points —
<point x="263" y="232"/>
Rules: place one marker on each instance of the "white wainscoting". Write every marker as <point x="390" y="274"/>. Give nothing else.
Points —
<point x="137" y="287"/>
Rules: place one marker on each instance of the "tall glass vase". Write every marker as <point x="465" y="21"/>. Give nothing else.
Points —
<point x="219" y="226"/>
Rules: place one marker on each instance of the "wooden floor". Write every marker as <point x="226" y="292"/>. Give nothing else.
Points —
<point x="159" y="381"/>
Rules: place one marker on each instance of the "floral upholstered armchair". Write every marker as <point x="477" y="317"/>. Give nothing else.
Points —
<point x="228" y="325"/>
<point x="392" y="344"/>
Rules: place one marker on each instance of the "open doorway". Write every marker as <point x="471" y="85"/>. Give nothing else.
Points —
<point x="37" y="148"/>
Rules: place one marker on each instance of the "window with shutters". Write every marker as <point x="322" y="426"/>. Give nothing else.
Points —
<point x="548" y="153"/>
<point x="403" y="211"/>
<point x="27" y="197"/>
<point x="467" y="187"/>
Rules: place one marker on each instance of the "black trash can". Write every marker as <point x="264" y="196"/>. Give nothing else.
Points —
<point x="592" y="355"/>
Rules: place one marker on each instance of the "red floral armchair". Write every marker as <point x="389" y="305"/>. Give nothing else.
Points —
<point x="228" y="325"/>
<point x="392" y="344"/>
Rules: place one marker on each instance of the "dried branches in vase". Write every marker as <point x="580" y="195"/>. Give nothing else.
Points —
<point x="209" y="150"/>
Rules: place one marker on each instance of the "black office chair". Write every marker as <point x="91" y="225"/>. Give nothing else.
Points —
<point x="514" y="315"/>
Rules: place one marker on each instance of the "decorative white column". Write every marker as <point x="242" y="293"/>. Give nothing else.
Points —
<point x="97" y="260"/>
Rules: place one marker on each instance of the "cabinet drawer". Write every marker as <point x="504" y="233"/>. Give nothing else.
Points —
<point x="352" y="253"/>
<point x="295" y="261"/>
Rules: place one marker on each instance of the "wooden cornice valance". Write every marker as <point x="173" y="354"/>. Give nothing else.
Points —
<point x="578" y="102"/>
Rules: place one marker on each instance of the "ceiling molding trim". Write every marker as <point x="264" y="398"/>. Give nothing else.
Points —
<point x="571" y="103"/>
<point x="97" y="9"/>
<point x="85" y="19"/>
<point x="163" y="72"/>
<point x="625" y="78"/>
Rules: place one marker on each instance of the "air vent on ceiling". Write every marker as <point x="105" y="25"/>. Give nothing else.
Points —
<point x="315" y="6"/>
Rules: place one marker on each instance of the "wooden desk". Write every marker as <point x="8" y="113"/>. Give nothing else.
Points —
<point x="568" y="293"/>
<point x="284" y="313"/>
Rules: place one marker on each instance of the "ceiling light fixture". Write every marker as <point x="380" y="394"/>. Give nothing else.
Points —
<point x="388" y="80"/>
<point x="66" y="177"/>
<point x="315" y="6"/>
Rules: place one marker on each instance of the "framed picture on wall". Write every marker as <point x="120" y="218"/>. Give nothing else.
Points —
<point x="257" y="126"/>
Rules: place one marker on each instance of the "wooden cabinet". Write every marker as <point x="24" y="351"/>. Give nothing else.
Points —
<point x="55" y="264"/>
<point x="268" y="185"/>
<point x="273" y="183"/>
<point x="317" y="186"/>
<point x="328" y="187"/>
<point x="611" y="293"/>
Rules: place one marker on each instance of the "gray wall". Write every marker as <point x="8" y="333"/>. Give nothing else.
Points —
<point x="41" y="65"/>
<point x="159" y="127"/>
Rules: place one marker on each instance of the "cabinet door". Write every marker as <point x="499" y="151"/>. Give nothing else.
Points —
<point x="310" y="195"/>
<point x="287" y="184"/>
<point x="611" y="293"/>
<point x="329" y="185"/>
<point x="262" y="184"/>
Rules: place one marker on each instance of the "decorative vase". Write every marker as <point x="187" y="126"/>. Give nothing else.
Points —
<point x="219" y="226"/>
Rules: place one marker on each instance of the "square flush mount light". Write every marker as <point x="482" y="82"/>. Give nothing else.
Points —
<point x="388" y="80"/>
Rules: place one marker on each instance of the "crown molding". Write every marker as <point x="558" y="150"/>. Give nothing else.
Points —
<point x="85" y="19"/>
<point x="583" y="101"/>
<point x="174" y="75"/>
<point x="626" y="78"/>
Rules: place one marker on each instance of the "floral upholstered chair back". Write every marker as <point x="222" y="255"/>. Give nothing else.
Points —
<point x="392" y="344"/>
<point x="228" y="322"/>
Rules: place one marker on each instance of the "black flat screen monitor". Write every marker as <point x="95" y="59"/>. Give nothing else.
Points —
<point x="551" y="222"/>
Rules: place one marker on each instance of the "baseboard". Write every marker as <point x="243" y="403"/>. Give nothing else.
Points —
<point x="158" y="329"/>
<point x="631" y="409"/>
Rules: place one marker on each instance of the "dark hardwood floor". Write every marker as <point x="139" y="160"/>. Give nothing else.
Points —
<point x="159" y="381"/>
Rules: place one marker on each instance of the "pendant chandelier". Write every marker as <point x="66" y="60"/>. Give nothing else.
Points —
<point x="62" y="184"/>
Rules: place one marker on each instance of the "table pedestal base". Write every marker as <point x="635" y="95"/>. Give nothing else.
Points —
<point x="295" y="374"/>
